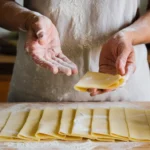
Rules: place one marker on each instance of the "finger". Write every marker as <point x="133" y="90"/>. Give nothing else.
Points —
<point x="39" y="28"/>
<point x="96" y="92"/>
<point x="92" y="90"/>
<point x="44" y="63"/>
<point x="130" y="66"/>
<point x="68" y="65"/>
<point x="69" y="62"/>
<point x="122" y="60"/>
<point x="130" y="69"/>
<point x="62" y="68"/>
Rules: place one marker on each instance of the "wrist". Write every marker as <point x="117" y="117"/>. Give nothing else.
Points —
<point x="126" y="34"/>
<point x="31" y="17"/>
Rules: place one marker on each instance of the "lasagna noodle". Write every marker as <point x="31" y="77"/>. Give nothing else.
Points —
<point x="13" y="126"/>
<point x="99" y="81"/>
<point x="82" y="123"/>
<point x="117" y="123"/>
<point x="30" y="127"/>
<point x="3" y="119"/>
<point x="100" y="124"/>
<point x="66" y="124"/>
<point x="139" y="129"/>
<point x="49" y="125"/>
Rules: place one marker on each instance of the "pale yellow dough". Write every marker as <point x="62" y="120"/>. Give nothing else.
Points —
<point x="49" y="125"/>
<point x="31" y="125"/>
<point x="82" y="123"/>
<point x="139" y="128"/>
<point x="99" y="81"/>
<point x="67" y="123"/>
<point x="97" y="124"/>
<point x="100" y="124"/>
<point x="3" y="119"/>
<point x="117" y="123"/>
<point x="13" y="126"/>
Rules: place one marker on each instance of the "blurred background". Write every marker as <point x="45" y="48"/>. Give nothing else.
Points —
<point x="8" y="44"/>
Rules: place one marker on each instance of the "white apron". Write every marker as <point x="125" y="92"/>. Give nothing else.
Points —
<point x="83" y="26"/>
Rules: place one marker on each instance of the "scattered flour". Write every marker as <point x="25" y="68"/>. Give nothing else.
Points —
<point x="59" y="145"/>
<point x="28" y="106"/>
<point x="64" y="145"/>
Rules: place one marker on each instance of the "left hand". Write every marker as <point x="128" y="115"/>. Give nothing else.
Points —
<point x="117" y="57"/>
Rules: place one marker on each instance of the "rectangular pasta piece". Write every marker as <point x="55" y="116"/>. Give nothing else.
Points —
<point x="49" y="125"/>
<point x="82" y="123"/>
<point x="13" y="126"/>
<point x="66" y="124"/>
<point x="31" y="125"/>
<point x="147" y="112"/>
<point x="99" y="80"/>
<point x="3" y="119"/>
<point x="139" y="129"/>
<point x="117" y="123"/>
<point x="100" y="124"/>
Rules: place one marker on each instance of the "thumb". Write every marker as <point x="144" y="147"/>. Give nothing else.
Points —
<point x="130" y="69"/>
<point x="122" y="61"/>
<point x="39" y="28"/>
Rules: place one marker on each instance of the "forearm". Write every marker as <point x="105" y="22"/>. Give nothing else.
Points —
<point x="139" y="31"/>
<point x="13" y="16"/>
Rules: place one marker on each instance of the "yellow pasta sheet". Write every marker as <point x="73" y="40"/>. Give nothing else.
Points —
<point x="100" y="124"/>
<point x="138" y="126"/>
<point x="31" y="125"/>
<point x="49" y="125"/>
<point x="66" y="124"/>
<point x="147" y="112"/>
<point x="3" y="119"/>
<point x="117" y="123"/>
<point x="82" y="123"/>
<point x="13" y="126"/>
<point x="99" y="81"/>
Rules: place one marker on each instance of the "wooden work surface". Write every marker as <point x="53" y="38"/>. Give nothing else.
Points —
<point x="84" y="145"/>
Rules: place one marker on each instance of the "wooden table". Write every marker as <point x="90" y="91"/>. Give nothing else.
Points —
<point x="62" y="145"/>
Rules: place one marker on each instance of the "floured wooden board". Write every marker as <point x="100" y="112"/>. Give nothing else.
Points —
<point x="77" y="145"/>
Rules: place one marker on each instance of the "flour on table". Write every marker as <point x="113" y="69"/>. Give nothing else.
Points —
<point x="59" y="145"/>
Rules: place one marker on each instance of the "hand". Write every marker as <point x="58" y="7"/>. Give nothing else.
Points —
<point x="43" y="45"/>
<point x="117" y="57"/>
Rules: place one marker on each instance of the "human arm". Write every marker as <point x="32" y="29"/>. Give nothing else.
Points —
<point x="42" y="42"/>
<point x="117" y="55"/>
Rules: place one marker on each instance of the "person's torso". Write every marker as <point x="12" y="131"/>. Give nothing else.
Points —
<point x="83" y="27"/>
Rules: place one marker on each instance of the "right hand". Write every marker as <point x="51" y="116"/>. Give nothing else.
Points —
<point x="43" y="44"/>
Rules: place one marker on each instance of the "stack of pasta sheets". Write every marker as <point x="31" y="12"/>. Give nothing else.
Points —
<point x="98" y="124"/>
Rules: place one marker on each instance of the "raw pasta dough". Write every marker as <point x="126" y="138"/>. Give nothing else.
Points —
<point x="118" y="125"/>
<point x="67" y="123"/>
<point x="3" y="119"/>
<point x="99" y="81"/>
<point x="30" y="127"/>
<point x="13" y="126"/>
<point x="139" y="128"/>
<point x="82" y="123"/>
<point x="49" y="124"/>
<point x="100" y="125"/>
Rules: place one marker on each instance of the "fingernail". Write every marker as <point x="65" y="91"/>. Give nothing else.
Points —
<point x="55" y="70"/>
<point x="68" y="74"/>
<point x="40" y="34"/>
